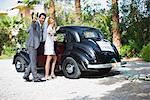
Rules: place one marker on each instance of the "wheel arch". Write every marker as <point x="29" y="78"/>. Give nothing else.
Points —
<point x="79" y="58"/>
<point x="23" y="55"/>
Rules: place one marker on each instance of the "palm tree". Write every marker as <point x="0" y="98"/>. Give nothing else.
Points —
<point x="77" y="10"/>
<point x="115" y="24"/>
<point x="29" y="5"/>
<point x="7" y="23"/>
<point x="52" y="9"/>
<point x="50" y="5"/>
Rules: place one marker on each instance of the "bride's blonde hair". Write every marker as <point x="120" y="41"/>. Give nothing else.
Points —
<point x="52" y="21"/>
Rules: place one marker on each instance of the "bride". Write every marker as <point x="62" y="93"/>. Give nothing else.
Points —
<point x="49" y="31"/>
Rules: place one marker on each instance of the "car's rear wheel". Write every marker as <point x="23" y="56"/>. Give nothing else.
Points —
<point x="70" y="68"/>
<point x="20" y="64"/>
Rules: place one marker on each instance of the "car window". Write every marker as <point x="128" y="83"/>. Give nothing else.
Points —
<point x="69" y="37"/>
<point x="64" y="36"/>
<point x="60" y="37"/>
<point x="92" y="34"/>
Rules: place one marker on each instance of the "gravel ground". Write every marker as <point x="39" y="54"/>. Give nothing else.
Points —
<point x="112" y="86"/>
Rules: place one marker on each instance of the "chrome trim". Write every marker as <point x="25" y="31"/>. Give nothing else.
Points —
<point x="108" y="65"/>
<point x="98" y="66"/>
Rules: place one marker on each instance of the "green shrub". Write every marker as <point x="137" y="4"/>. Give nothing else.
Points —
<point x="127" y="51"/>
<point x="145" y="52"/>
<point x="22" y="37"/>
<point x="8" y="51"/>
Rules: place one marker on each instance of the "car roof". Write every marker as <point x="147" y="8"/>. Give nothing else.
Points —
<point x="76" y="28"/>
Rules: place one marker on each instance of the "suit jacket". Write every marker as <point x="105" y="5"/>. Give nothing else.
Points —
<point x="35" y="35"/>
<point x="45" y="25"/>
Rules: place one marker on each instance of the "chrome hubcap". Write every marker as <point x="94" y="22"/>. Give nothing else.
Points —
<point x="18" y="64"/>
<point x="69" y="68"/>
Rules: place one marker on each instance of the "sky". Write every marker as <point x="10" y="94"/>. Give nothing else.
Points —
<point x="7" y="4"/>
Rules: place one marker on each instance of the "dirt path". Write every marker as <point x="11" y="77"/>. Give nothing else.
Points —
<point x="112" y="86"/>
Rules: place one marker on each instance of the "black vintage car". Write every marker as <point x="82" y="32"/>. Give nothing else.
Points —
<point x="78" y="49"/>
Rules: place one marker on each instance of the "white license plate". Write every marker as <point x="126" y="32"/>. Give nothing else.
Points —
<point x="105" y="46"/>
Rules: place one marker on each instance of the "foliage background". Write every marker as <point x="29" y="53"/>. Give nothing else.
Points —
<point x="134" y="26"/>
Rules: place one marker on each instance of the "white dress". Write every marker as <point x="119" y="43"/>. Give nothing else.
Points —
<point x="49" y="43"/>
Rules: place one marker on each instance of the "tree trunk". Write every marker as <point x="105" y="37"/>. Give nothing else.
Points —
<point x="115" y="25"/>
<point x="77" y="10"/>
<point x="52" y="9"/>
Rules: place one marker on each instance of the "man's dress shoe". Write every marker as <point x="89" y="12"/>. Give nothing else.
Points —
<point x="39" y="80"/>
<point x="27" y="79"/>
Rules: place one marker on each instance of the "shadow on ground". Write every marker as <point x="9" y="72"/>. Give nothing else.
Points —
<point x="99" y="74"/>
<point x="89" y="75"/>
<point x="130" y="91"/>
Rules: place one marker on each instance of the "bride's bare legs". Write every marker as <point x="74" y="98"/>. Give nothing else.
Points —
<point x="47" y="66"/>
<point x="53" y="66"/>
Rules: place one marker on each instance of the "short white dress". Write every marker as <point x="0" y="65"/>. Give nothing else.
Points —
<point x="49" y="43"/>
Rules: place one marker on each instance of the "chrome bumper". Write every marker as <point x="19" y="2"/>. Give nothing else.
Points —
<point x="109" y="65"/>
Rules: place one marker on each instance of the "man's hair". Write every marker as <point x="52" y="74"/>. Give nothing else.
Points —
<point x="42" y="14"/>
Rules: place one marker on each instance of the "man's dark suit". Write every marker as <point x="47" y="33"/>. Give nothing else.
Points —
<point x="33" y="42"/>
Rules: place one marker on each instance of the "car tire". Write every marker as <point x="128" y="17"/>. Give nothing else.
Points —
<point x="70" y="68"/>
<point x="20" y="64"/>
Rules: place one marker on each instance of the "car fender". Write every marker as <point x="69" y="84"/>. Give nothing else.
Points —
<point x="118" y="57"/>
<point x="22" y="54"/>
<point x="81" y="59"/>
<point x="85" y="49"/>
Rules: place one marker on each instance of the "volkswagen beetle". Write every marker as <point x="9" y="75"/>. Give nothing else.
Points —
<point x="78" y="48"/>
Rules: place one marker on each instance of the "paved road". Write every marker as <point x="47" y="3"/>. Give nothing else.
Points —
<point x="112" y="86"/>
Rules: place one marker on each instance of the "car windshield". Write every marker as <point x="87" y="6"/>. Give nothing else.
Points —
<point x="91" y="33"/>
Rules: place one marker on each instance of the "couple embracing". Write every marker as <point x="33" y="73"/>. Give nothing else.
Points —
<point x="41" y="30"/>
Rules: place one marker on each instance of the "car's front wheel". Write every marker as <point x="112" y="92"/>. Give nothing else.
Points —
<point x="20" y="64"/>
<point x="70" y="68"/>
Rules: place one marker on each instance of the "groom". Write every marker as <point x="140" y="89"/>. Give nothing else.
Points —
<point x="35" y="38"/>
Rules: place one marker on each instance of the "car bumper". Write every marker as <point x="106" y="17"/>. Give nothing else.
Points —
<point x="109" y="65"/>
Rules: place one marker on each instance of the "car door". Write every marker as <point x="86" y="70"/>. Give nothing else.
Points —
<point x="60" y="45"/>
<point x="41" y="58"/>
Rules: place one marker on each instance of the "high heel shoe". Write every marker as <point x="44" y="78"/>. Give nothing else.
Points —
<point x="52" y="76"/>
<point x="47" y="78"/>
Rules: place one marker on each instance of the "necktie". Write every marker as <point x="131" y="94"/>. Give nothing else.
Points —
<point x="41" y="34"/>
